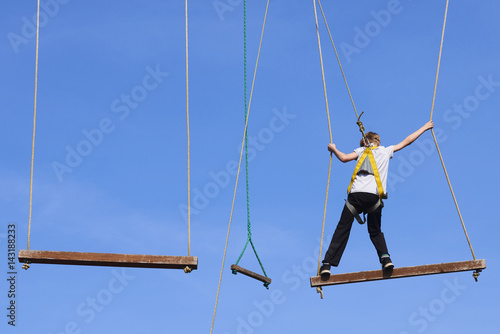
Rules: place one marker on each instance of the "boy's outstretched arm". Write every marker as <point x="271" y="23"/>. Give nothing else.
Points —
<point x="411" y="138"/>
<point x="340" y="155"/>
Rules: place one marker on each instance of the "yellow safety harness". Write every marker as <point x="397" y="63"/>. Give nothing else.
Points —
<point x="371" y="167"/>
<point x="361" y="162"/>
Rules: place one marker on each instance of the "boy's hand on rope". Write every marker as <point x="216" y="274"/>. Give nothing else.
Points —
<point x="331" y="147"/>
<point x="428" y="125"/>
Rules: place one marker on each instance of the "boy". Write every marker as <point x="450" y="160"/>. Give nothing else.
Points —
<point x="367" y="189"/>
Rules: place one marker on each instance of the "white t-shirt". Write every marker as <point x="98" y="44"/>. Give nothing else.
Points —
<point x="364" y="181"/>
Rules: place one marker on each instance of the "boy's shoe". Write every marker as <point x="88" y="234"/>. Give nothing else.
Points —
<point x="324" y="272"/>
<point x="386" y="262"/>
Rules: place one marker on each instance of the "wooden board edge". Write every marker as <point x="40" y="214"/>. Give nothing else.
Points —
<point x="108" y="259"/>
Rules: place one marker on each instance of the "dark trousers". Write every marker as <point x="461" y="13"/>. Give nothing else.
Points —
<point x="361" y="202"/>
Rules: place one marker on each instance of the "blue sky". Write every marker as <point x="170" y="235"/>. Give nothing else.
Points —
<point x="110" y="162"/>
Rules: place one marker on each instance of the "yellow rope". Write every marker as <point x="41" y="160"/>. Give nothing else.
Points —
<point x="322" y="72"/>
<point x="338" y="59"/>
<point x="188" y="143"/>
<point x="439" y="59"/>
<point x="34" y="123"/>
<point x="453" y="194"/>
<point x="239" y="167"/>
<point x="435" y="140"/>
<point x="319" y="290"/>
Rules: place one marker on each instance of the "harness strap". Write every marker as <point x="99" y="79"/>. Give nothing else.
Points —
<point x="355" y="213"/>
<point x="368" y="153"/>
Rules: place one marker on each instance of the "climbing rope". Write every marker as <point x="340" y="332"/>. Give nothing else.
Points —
<point x="439" y="58"/>
<point x="187" y="269"/>
<point x="249" y="225"/>
<point x="435" y="140"/>
<point x="239" y="163"/>
<point x="338" y="59"/>
<point x="358" y="122"/>
<point x="318" y="289"/>
<point x="26" y="265"/>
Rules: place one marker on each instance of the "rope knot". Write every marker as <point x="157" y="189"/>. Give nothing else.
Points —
<point x="362" y="129"/>
<point x="320" y="291"/>
<point x="187" y="269"/>
<point x="26" y="265"/>
<point x="476" y="274"/>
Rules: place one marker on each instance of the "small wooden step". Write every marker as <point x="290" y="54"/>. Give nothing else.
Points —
<point x="374" y="275"/>
<point x="108" y="259"/>
<point x="251" y="274"/>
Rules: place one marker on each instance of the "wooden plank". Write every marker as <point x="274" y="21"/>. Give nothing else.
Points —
<point x="375" y="275"/>
<point x="251" y="274"/>
<point x="108" y="259"/>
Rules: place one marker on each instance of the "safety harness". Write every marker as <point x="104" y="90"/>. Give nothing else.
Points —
<point x="366" y="164"/>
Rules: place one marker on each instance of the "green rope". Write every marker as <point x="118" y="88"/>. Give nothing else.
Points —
<point x="249" y="225"/>
<point x="246" y="115"/>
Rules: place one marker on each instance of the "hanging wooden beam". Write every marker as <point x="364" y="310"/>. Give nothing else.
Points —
<point x="251" y="274"/>
<point x="108" y="259"/>
<point x="375" y="275"/>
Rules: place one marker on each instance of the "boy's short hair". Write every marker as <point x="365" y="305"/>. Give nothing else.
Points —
<point x="371" y="137"/>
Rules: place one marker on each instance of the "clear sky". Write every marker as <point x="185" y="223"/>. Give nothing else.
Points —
<point x="110" y="163"/>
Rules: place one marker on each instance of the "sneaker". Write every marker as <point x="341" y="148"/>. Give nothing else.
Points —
<point x="324" y="272"/>
<point x="386" y="262"/>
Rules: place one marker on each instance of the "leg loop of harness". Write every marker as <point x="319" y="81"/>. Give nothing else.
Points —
<point x="356" y="215"/>
<point x="354" y="212"/>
